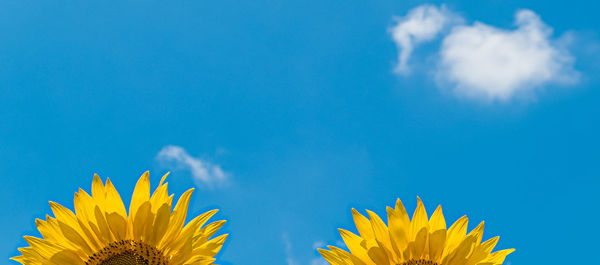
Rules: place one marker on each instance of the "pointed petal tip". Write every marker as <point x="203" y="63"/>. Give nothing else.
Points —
<point x="419" y="201"/>
<point x="164" y="177"/>
<point x="145" y="175"/>
<point x="371" y="214"/>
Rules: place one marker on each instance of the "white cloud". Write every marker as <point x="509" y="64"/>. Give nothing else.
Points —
<point x="485" y="61"/>
<point x="205" y="174"/>
<point x="287" y="243"/>
<point x="289" y="256"/>
<point x="318" y="244"/>
<point x="421" y="24"/>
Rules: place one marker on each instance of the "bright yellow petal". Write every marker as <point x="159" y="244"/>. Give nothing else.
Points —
<point x="100" y="228"/>
<point x="378" y="255"/>
<point x="330" y="257"/>
<point x="382" y="235"/>
<point x="353" y="242"/>
<point x="437" y="234"/>
<point x="141" y="194"/>
<point x="70" y="227"/>
<point x="399" y="232"/>
<point x="456" y="234"/>
<point x="477" y="232"/>
<point x="177" y="218"/>
<point x="114" y="203"/>
<point x="362" y="225"/>
<point x="417" y="241"/>
<point x="498" y="256"/>
<point x="419" y="231"/>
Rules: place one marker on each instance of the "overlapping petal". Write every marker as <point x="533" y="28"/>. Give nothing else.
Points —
<point x="420" y="240"/>
<point x="100" y="221"/>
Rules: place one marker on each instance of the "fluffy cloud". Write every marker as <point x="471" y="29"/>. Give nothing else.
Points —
<point x="422" y="24"/>
<point x="485" y="61"/>
<point x="205" y="174"/>
<point x="482" y="61"/>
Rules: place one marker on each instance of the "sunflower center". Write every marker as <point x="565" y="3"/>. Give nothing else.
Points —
<point x="419" y="262"/>
<point x="128" y="252"/>
<point x="125" y="257"/>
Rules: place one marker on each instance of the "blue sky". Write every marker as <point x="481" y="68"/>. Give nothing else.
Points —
<point x="297" y="112"/>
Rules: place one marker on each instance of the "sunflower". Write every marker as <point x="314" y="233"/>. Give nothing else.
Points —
<point x="422" y="241"/>
<point x="101" y="232"/>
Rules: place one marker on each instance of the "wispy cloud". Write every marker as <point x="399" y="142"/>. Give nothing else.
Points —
<point x="205" y="174"/>
<point x="485" y="62"/>
<point x="421" y="24"/>
<point x="318" y="260"/>
<point x="287" y="244"/>
<point x="289" y="255"/>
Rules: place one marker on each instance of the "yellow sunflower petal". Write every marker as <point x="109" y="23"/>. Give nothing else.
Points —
<point x="100" y="230"/>
<point x="347" y="257"/>
<point x="177" y="218"/>
<point x="437" y="234"/>
<point x="399" y="232"/>
<point x="477" y="232"/>
<point x="419" y="231"/>
<point x="498" y="256"/>
<point x="98" y="190"/>
<point x="378" y="256"/>
<point x="70" y="228"/>
<point x="331" y="257"/>
<point x="456" y="234"/>
<point x="382" y="235"/>
<point x="141" y="194"/>
<point x="362" y="225"/>
<point x="413" y="242"/>
<point x="161" y="223"/>
<point x="353" y="242"/>
<point x="114" y="203"/>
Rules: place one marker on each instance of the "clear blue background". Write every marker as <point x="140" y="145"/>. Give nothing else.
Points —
<point x="302" y="98"/>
